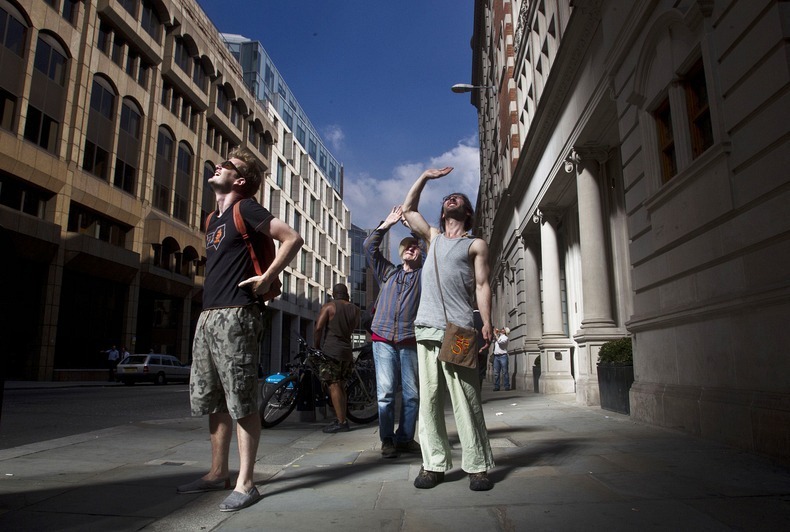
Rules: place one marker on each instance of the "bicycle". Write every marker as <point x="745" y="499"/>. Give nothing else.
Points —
<point x="281" y="391"/>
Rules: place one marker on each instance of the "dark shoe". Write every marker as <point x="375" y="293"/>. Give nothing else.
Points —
<point x="237" y="500"/>
<point x="336" y="426"/>
<point x="428" y="479"/>
<point x="388" y="449"/>
<point x="409" y="447"/>
<point x="200" y="486"/>
<point x="496" y="389"/>
<point x="480" y="482"/>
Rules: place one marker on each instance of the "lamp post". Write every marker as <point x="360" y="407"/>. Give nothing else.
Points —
<point x="461" y="88"/>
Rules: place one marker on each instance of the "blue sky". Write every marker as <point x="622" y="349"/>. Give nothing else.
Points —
<point x="374" y="78"/>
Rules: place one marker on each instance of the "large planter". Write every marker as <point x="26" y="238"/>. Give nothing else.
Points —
<point x="613" y="384"/>
<point x="536" y="377"/>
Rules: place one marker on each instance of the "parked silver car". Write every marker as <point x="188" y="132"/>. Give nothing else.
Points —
<point x="155" y="368"/>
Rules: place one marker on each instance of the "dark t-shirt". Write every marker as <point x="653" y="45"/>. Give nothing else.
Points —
<point x="227" y="258"/>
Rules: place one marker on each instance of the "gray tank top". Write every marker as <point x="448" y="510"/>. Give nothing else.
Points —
<point x="457" y="282"/>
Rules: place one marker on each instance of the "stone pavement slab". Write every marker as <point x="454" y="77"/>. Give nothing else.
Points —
<point x="560" y="466"/>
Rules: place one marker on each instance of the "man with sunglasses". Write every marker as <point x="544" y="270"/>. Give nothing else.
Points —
<point x="455" y="277"/>
<point x="392" y="332"/>
<point x="224" y="378"/>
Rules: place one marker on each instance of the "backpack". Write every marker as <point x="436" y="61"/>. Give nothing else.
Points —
<point x="261" y="248"/>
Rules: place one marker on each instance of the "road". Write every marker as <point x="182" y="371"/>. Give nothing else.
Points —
<point x="35" y="415"/>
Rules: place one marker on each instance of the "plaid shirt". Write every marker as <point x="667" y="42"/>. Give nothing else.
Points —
<point x="399" y="294"/>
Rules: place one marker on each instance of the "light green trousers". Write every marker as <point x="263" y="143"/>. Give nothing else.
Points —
<point x="437" y="378"/>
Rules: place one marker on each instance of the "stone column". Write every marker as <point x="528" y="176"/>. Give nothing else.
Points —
<point x="595" y="273"/>
<point x="597" y="322"/>
<point x="534" y="331"/>
<point x="555" y="347"/>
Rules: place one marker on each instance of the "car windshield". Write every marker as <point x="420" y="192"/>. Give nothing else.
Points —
<point x="134" y="359"/>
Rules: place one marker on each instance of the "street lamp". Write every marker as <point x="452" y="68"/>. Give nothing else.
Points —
<point x="461" y="88"/>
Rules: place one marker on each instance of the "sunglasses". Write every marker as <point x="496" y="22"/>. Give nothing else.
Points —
<point x="228" y="165"/>
<point x="456" y="197"/>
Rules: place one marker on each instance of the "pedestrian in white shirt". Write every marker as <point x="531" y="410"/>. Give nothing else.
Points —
<point x="500" y="358"/>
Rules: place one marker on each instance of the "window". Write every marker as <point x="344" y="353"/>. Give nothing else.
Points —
<point x="142" y="72"/>
<point x="70" y="11"/>
<point x="131" y="60"/>
<point x="41" y="129"/>
<point x="130" y="6"/>
<point x="150" y="20"/>
<point x="128" y="155"/>
<point x="280" y="173"/>
<point x="7" y="109"/>
<point x="118" y="45"/>
<point x="181" y="55"/>
<point x="698" y="110"/>
<point x="163" y="170"/>
<point x="84" y="221"/>
<point x="47" y="94"/>
<point x="297" y="221"/>
<point x="50" y="60"/>
<point x="183" y="173"/>
<point x="103" y="42"/>
<point x="12" y="29"/>
<point x="222" y="100"/>
<point x="666" y="141"/>
<point x="199" y="75"/>
<point x="22" y="196"/>
<point x="99" y="137"/>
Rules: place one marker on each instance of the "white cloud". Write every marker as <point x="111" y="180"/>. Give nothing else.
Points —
<point x="370" y="200"/>
<point x="334" y="136"/>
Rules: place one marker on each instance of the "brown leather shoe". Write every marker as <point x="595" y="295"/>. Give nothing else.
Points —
<point x="428" y="479"/>
<point x="480" y="482"/>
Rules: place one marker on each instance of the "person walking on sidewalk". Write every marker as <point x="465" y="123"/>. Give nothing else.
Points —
<point x="462" y="262"/>
<point x="501" y="358"/>
<point x="333" y="328"/>
<point x="224" y="379"/>
<point x="392" y="332"/>
<point x="113" y="358"/>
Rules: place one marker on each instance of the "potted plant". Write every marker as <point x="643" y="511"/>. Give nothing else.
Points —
<point x="536" y="374"/>
<point x="616" y="374"/>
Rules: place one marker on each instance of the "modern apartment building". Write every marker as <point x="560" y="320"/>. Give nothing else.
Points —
<point x="305" y="189"/>
<point x="114" y="113"/>
<point x="634" y="182"/>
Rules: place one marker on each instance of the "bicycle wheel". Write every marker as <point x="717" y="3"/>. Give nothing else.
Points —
<point x="279" y="402"/>
<point x="362" y="406"/>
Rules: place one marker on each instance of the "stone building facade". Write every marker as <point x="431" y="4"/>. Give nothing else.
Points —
<point x="634" y="182"/>
<point x="114" y="113"/>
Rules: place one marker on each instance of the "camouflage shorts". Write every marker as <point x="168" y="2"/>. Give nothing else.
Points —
<point x="331" y="370"/>
<point x="224" y="374"/>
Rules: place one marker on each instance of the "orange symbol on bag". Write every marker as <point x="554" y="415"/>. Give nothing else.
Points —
<point x="460" y="345"/>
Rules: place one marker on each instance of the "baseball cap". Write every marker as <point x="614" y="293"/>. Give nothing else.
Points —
<point x="408" y="241"/>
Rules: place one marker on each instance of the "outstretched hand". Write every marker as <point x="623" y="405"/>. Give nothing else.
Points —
<point x="436" y="173"/>
<point x="394" y="217"/>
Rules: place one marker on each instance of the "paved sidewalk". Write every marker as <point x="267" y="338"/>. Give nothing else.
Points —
<point x="560" y="466"/>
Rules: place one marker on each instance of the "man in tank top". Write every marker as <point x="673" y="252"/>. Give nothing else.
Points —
<point x="461" y="262"/>
<point x="333" y="329"/>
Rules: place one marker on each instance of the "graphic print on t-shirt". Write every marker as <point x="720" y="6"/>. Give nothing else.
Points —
<point x="214" y="238"/>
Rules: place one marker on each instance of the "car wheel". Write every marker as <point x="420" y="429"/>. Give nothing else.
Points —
<point x="161" y="379"/>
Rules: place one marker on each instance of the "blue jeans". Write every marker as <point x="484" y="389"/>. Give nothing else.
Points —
<point x="396" y="364"/>
<point x="500" y="366"/>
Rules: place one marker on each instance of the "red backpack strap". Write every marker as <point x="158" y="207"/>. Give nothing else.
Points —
<point x="241" y="227"/>
<point x="208" y="220"/>
<point x="265" y="247"/>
